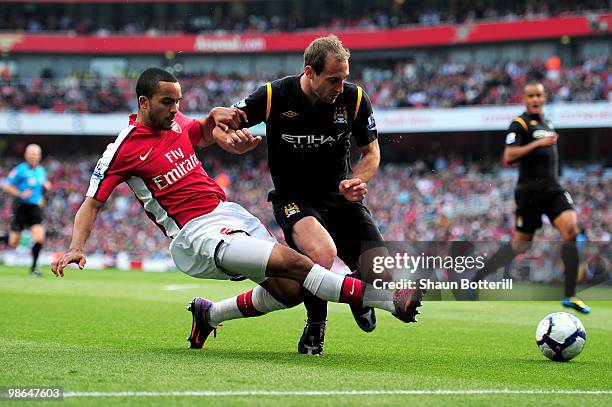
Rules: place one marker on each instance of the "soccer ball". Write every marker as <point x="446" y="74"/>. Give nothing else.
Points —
<point x="560" y="336"/>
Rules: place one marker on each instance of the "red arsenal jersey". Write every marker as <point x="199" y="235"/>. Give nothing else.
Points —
<point x="162" y="169"/>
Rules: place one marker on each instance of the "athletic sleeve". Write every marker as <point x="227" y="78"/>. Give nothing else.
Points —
<point x="364" y="126"/>
<point x="194" y="128"/>
<point x="257" y="105"/>
<point x="111" y="170"/>
<point x="515" y="134"/>
<point x="13" y="177"/>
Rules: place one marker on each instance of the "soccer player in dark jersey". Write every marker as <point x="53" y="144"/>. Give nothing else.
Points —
<point x="532" y="142"/>
<point x="317" y="197"/>
<point x="27" y="182"/>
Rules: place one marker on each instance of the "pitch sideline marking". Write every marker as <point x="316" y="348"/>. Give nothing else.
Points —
<point x="328" y="393"/>
<point x="176" y="287"/>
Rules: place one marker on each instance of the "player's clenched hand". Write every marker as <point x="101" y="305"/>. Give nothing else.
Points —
<point x="228" y="117"/>
<point x="235" y="141"/>
<point x="244" y="141"/>
<point x="247" y="141"/>
<point x="353" y="189"/>
<point x="73" y="256"/>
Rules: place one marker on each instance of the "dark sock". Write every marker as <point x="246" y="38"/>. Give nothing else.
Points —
<point x="502" y="258"/>
<point x="569" y="255"/>
<point x="316" y="308"/>
<point x="35" y="252"/>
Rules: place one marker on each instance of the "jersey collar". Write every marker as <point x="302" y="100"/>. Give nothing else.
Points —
<point x="534" y="116"/>
<point x="299" y="92"/>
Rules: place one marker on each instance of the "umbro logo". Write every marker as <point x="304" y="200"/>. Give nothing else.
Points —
<point x="290" y="114"/>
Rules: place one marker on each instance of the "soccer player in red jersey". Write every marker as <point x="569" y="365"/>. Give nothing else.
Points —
<point x="211" y="237"/>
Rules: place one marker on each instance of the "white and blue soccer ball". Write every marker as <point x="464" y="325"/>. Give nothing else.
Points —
<point x="560" y="336"/>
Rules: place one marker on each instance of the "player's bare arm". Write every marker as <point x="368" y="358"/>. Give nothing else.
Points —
<point x="513" y="153"/>
<point x="83" y="225"/>
<point x="355" y="189"/>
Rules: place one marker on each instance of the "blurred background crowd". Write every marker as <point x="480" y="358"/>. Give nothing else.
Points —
<point x="403" y="84"/>
<point x="445" y="199"/>
<point x="441" y="181"/>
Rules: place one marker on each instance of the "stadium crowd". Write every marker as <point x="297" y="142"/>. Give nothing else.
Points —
<point x="127" y="18"/>
<point x="451" y="84"/>
<point x="444" y="200"/>
<point x="407" y="84"/>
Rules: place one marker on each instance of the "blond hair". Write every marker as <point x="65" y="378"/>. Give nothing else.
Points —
<point x="317" y="52"/>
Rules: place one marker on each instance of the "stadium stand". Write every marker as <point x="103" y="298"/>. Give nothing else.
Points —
<point x="448" y="199"/>
<point x="90" y="17"/>
<point x="417" y="61"/>
<point x="407" y="84"/>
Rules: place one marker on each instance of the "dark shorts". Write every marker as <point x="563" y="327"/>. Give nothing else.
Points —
<point x="532" y="203"/>
<point x="350" y="224"/>
<point x="25" y="215"/>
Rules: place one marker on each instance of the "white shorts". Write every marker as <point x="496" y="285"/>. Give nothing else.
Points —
<point x="196" y="249"/>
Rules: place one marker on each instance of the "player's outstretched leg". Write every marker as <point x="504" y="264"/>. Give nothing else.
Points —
<point x="207" y="315"/>
<point x="258" y="260"/>
<point x="287" y="272"/>
<point x="285" y="262"/>
<point x="272" y="295"/>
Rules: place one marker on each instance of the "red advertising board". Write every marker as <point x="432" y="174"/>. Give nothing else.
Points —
<point x="576" y="26"/>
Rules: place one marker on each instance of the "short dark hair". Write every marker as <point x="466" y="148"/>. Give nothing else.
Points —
<point x="317" y="52"/>
<point x="148" y="81"/>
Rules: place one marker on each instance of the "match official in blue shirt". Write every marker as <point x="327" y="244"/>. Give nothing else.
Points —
<point x="27" y="182"/>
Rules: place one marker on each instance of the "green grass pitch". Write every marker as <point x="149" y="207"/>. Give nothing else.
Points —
<point x="99" y="333"/>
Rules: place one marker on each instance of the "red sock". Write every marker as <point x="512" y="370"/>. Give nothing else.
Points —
<point x="352" y="291"/>
<point x="245" y="304"/>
